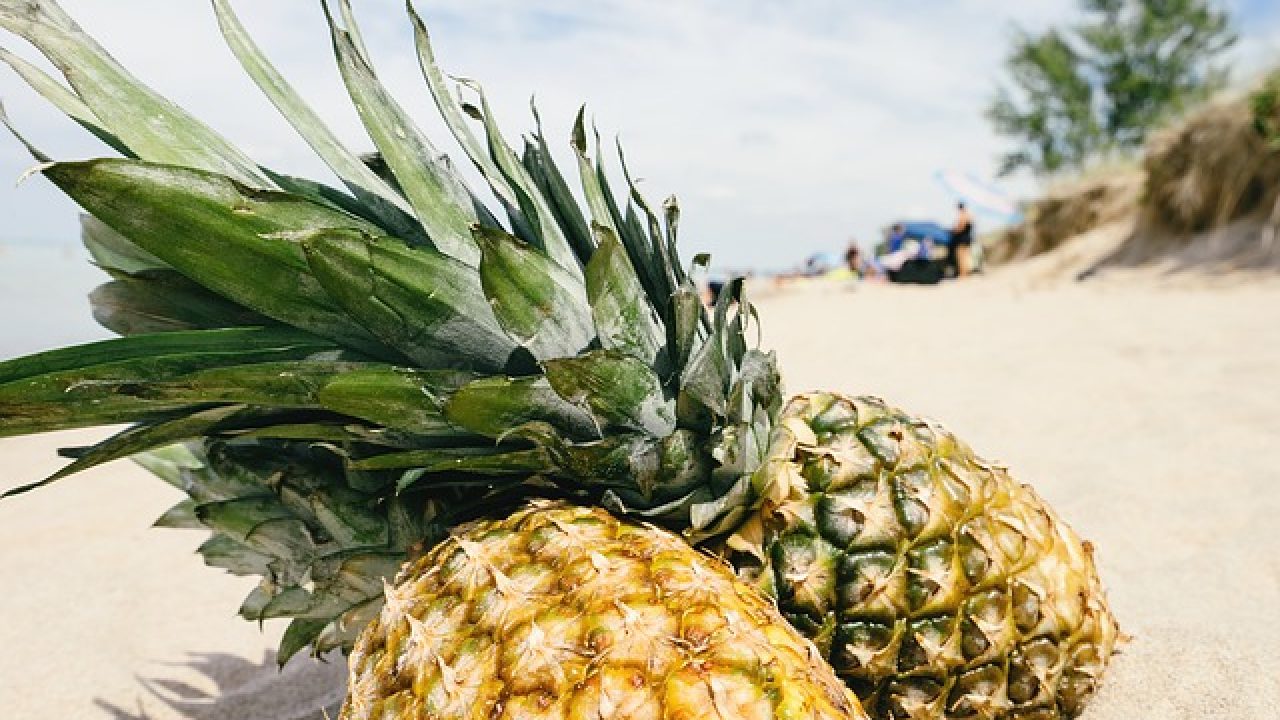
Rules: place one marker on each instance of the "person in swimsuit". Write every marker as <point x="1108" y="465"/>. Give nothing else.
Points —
<point x="959" y="250"/>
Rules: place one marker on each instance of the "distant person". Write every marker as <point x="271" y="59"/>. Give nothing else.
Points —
<point x="853" y="258"/>
<point x="899" y="250"/>
<point x="897" y="236"/>
<point x="960" y="249"/>
<point x="859" y="264"/>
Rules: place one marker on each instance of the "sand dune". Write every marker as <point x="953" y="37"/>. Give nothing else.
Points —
<point x="1146" y="412"/>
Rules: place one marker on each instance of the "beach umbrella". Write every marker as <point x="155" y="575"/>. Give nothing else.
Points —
<point x="825" y="260"/>
<point x="981" y="197"/>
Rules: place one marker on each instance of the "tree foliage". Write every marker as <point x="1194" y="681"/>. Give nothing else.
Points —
<point x="1265" y="103"/>
<point x="1101" y="85"/>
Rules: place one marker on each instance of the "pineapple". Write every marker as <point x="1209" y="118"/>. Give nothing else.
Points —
<point x="337" y="377"/>
<point x="562" y="611"/>
<point x="935" y="584"/>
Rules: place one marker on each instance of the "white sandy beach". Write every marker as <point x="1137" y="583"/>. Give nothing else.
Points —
<point x="1145" y="411"/>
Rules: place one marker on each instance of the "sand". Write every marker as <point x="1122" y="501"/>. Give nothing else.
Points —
<point x="1145" y="411"/>
<point x="106" y="617"/>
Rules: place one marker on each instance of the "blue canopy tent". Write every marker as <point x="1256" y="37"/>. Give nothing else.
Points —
<point x="923" y="231"/>
<point x="930" y="231"/>
<point x="928" y="263"/>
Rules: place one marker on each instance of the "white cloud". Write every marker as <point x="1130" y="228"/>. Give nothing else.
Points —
<point x="784" y="127"/>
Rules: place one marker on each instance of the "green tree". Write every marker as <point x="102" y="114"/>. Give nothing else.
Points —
<point x="1265" y="102"/>
<point x="1101" y="85"/>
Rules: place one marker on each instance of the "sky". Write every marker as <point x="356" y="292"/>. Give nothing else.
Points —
<point x="785" y="128"/>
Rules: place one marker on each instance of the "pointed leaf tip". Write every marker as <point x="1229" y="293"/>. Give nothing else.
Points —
<point x="130" y="113"/>
<point x="37" y="169"/>
<point x="437" y="195"/>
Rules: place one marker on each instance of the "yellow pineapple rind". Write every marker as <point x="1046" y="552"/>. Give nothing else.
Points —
<point x="567" y="612"/>
<point x="935" y="584"/>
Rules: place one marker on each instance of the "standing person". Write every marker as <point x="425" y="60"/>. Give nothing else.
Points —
<point x="959" y="250"/>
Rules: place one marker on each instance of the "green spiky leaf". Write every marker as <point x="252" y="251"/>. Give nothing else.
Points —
<point x="427" y="305"/>
<point x="383" y="200"/>
<point x="235" y="557"/>
<point x="300" y="633"/>
<point x="63" y="99"/>
<point x="494" y="407"/>
<point x="221" y="234"/>
<point x="137" y="439"/>
<point x="114" y="252"/>
<point x="163" y="301"/>
<point x="620" y="390"/>
<point x="542" y="167"/>
<point x="190" y="350"/>
<point x="439" y="199"/>
<point x="535" y="300"/>
<point x="150" y="126"/>
<point x="416" y="367"/>
<point x="409" y="400"/>
<point x="623" y="320"/>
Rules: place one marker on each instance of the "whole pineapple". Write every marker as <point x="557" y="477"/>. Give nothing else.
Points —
<point x="935" y="584"/>
<point x="353" y="372"/>
<point x="559" y="611"/>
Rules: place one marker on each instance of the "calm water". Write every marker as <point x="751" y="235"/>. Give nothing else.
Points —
<point x="43" y="296"/>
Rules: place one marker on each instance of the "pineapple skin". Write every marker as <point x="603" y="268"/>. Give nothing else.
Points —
<point x="935" y="584"/>
<point x="567" y="612"/>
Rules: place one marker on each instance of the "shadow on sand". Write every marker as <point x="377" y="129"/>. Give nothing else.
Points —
<point x="218" y="686"/>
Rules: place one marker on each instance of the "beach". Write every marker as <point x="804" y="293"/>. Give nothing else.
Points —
<point x="1143" y="409"/>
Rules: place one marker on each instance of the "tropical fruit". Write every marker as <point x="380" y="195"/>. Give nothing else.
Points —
<point x="566" y="612"/>
<point x="935" y="584"/>
<point x="337" y="377"/>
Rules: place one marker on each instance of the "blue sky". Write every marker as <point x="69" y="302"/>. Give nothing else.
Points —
<point x="1254" y="10"/>
<point x="784" y="127"/>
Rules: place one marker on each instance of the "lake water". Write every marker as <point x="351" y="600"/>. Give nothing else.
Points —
<point x="44" y="303"/>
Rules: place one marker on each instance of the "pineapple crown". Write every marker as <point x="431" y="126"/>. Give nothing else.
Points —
<point x="336" y="376"/>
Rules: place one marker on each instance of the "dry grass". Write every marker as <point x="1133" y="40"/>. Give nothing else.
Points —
<point x="1213" y="169"/>
<point x="1212" y="193"/>
<point x="1067" y="210"/>
<point x="1206" y="197"/>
